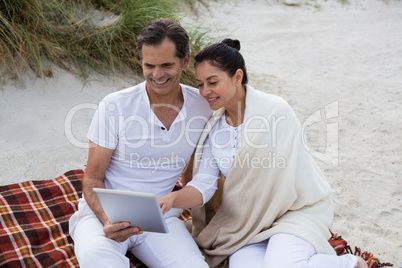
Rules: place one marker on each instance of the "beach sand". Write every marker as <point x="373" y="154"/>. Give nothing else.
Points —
<point x="338" y="65"/>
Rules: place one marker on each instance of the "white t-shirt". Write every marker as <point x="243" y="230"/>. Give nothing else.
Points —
<point x="147" y="157"/>
<point x="221" y="147"/>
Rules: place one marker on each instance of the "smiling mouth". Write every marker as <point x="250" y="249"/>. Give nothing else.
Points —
<point x="161" y="82"/>
<point x="212" y="100"/>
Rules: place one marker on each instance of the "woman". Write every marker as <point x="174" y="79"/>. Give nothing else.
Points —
<point x="275" y="208"/>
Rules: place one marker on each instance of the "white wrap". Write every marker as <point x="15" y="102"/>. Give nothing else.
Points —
<point x="274" y="185"/>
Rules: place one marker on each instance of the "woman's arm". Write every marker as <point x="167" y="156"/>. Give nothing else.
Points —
<point x="187" y="197"/>
<point x="200" y="189"/>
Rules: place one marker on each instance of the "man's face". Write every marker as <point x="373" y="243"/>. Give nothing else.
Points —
<point x="162" y="68"/>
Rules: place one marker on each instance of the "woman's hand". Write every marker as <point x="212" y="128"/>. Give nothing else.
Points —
<point x="120" y="231"/>
<point x="187" y="197"/>
<point x="166" y="202"/>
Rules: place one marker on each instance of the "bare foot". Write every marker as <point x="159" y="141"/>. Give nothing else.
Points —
<point x="361" y="263"/>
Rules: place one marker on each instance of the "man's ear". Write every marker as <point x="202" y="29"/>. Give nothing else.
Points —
<point x="238" y="77"/>
<point x="186" y="61"/>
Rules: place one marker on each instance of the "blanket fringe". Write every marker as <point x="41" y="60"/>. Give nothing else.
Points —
<point x="341" y="247"/>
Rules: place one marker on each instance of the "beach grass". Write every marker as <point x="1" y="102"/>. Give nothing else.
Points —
<point x="80" y="36"/>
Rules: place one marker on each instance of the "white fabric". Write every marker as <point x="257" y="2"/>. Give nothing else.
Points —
<point x="222" y="145"/>
<point x="274" y="185"/>
<point x="225" y="142"/>
<point x="175" y="249"/>
<point x="147" y="157"/>
<point x="287" y="251"/>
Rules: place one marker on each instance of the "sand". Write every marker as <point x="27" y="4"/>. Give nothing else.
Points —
<point x="338" y="65"/>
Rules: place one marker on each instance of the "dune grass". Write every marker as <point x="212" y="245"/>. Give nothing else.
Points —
<point x="80" y="36"/>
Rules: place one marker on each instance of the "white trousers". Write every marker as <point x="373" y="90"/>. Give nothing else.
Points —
<point x="287" y="251"/>
<point x="174" y="249"/>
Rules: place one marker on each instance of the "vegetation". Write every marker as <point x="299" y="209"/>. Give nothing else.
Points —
<point x="80" y="36"/>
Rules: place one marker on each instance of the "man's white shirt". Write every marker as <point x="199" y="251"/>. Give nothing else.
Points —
<point x="147" y="157"/>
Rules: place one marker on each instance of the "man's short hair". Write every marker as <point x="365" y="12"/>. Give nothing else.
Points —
<point x="157" y="30"/>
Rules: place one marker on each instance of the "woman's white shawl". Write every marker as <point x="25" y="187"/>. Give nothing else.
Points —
<point x="274" y="185"/>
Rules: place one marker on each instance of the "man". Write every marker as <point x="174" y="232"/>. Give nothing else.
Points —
<point x="140" y="140"/>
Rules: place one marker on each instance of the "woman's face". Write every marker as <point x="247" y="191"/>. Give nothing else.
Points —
<point x="215" y="85"/>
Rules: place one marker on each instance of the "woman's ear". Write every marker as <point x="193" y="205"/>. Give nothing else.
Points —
<point x="238" y="77"/>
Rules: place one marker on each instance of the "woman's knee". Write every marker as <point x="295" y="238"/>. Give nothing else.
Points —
<point x="251" y="255"/>
<point x="196" y="261"/>
<point x="285" y="250"/>
<point x="285" y="262"/>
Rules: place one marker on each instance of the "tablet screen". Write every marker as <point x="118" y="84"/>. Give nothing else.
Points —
<point x="140" y="209"/>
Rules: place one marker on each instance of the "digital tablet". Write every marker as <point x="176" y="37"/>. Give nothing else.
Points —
<point x="140" y="209"/>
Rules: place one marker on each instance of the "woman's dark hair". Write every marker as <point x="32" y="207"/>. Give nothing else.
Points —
<point x="157" y="30"/>
<point x="225" y="56"/>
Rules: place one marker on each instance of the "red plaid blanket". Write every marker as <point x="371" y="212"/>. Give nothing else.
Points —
<point x="34" y="222"/>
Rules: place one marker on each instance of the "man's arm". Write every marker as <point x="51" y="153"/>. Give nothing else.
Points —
<point x="98" y="160"/>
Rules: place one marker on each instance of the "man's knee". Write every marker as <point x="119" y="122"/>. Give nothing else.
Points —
<point x="99" y="256"/>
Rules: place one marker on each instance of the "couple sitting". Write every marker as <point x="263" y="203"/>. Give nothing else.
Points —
<point x="269" y="213"/>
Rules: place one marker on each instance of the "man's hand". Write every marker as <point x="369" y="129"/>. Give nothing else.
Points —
<point x="120" y="231"/>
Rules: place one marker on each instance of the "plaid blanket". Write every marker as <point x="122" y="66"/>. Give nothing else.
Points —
<point x="34" y="222"/>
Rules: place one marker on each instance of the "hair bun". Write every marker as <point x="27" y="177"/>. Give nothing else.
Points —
<point x="232" y="43"/>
